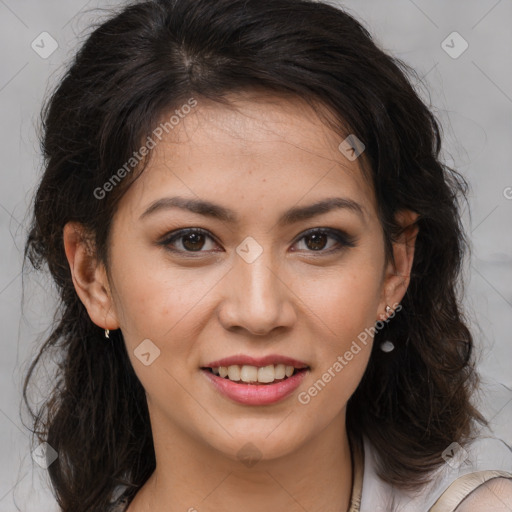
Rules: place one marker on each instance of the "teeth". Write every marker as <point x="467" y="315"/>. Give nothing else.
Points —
<point x="266" y="373"/>
<point x="280" y="370"/>
<point x="248" y="373"/>
<point x="234" y="372"/>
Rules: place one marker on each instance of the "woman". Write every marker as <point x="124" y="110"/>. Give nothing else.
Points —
<point x="257" y="250"/>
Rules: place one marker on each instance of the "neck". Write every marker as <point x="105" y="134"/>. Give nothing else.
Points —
<point x="193" y="477"/>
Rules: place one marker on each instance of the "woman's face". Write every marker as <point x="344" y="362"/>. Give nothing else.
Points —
<point x="255" y="287"/>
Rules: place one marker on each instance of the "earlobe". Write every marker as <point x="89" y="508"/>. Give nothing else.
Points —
<point x="89" y="276"/>
<point x="397" y="275"/>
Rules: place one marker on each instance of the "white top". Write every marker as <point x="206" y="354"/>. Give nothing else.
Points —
<point x="485" y="458"/>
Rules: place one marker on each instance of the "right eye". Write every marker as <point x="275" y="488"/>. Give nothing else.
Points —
<point x="190" y="240"/>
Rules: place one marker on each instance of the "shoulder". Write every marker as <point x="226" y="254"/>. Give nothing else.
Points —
<point x="481" y="470"/>
<point x="494" y="495"/>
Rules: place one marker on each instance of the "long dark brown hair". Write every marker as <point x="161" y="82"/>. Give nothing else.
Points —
<point x="149" y="59"/>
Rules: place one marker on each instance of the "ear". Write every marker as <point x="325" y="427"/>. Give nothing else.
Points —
<point x="397" y="275"/>
<point x="89" y="276"/>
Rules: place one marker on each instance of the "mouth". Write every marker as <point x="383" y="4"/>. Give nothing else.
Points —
<point x="256" y="381"/>
<point x="255" y="375"/>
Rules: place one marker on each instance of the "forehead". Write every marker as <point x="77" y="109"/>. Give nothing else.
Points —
<point x="260" y="150"/>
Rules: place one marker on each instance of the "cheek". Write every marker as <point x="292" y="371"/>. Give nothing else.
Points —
<point x="333" y="384"/>
<point x="343" y="313"/>
<point x="162" y="305"/>
<point x="145" y="296"/>
<point x="343" y="305"/>
<point x="344" y="301"/>
<point x="162" y="302"/>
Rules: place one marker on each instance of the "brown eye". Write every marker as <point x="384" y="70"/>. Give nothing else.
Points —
<point x="193" y="241"/>
<point x="318" y="239"/>
<point x="188" y="240"/>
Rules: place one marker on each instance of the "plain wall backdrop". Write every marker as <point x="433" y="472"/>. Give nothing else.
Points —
<point x="468" y="78"/>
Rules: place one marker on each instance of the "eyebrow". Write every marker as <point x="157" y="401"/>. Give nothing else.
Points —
<point x="291" y="216"/>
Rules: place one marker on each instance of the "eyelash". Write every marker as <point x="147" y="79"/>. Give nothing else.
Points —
<point x="342" y="238"/>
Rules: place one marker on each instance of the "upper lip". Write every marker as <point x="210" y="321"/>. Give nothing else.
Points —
<point x="256" y="361"/>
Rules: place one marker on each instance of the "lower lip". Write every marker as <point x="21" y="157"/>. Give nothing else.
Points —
<point x="256" y="394"/>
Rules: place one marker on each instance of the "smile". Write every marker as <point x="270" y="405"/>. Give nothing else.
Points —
<point x="253" y="374"/>
<point x="253" y="384"/>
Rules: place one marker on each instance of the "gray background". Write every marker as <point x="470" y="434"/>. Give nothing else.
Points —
<point x="471" y="94"/>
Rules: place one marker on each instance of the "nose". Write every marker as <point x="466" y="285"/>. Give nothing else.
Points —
<point x="257" y="298"/>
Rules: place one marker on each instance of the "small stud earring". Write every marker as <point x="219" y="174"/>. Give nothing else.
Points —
<point x="387" y="346"/>
<point x="107" y="333"/>
<point x="388" y="310"/>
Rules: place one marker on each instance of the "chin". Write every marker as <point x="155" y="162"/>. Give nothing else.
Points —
<point x="260" y="442"/>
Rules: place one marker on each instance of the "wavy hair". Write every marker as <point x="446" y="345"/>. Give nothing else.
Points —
<point x="149" y="58"/>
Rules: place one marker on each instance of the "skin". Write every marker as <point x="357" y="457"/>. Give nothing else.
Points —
<point x="260" y="159"/>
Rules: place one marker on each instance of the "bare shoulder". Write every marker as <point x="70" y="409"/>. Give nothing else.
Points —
<point x="494" y="495"/>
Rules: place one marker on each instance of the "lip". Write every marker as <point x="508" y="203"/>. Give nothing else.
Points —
<point x="255" y="394"/>
<point x="256" y="361"/>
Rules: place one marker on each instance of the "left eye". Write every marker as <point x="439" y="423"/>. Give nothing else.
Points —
<point x="315" y="240"/>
